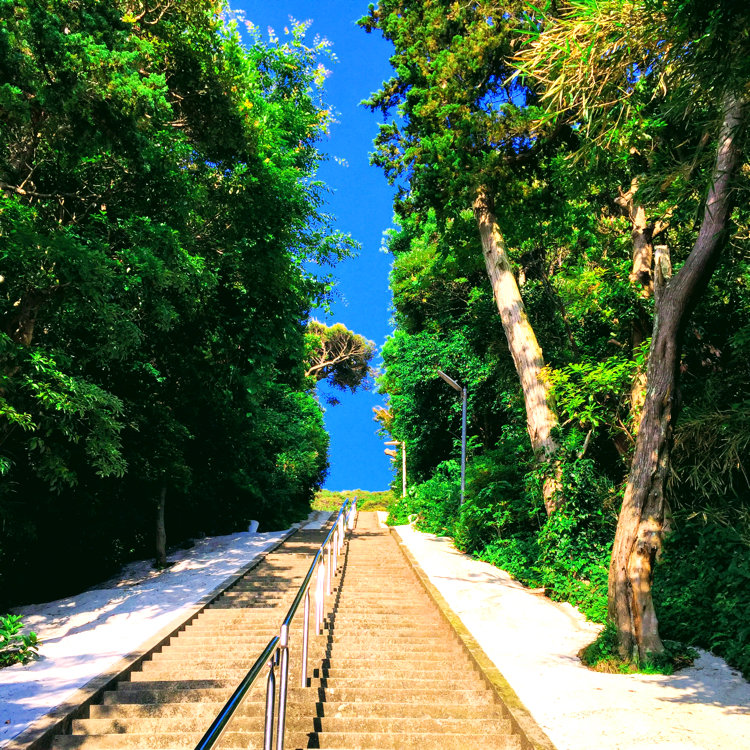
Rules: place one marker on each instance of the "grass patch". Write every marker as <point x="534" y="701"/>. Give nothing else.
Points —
<point x="330" y="500"/>
<point x="602" y="656"/>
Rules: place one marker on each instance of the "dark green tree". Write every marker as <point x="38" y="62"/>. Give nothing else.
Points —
<point x="461" y="134"/>
<point x="156" y="215"/>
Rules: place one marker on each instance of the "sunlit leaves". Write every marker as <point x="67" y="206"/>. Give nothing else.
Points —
<point x="159" y="220"/>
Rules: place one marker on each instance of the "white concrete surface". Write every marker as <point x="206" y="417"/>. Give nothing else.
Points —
<point x="534" y="643"/>
<point x="83" y="635"/>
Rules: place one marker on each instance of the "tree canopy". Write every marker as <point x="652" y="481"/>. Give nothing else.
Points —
<point x="339" y="356"/>
<point x="599" y="149"/>
<point x="157" y="212"/>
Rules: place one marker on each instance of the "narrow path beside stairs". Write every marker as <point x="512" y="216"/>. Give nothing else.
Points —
<point x="388" y="671"/>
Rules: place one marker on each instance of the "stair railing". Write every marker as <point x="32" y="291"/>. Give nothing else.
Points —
<point x="276" y="652"/>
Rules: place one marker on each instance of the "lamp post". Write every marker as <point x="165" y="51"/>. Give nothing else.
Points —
<point x="393" y="454"/>
<point x="462" y="390"/>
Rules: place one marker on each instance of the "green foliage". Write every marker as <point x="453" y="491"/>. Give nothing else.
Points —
<point x="702" y="589"/>
<point x="556" y="112"/>
<point x="591" y="393"/>
<point x="498" y="507"/>
<point x="602" y="656"/>
<point x="504" y="523"/>
<point x="366" y="501"/>
<point x="576" y="541"/>
<point x="159" y="213"/>
<point x="338" y="356"/>
<point x="433" y="504"/>
<point x="16" y="647"/>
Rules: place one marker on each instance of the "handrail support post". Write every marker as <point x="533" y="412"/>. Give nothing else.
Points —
<point x="283" y="684"/>
<point x="270" y="698"/>
<point x="305" y="637"/>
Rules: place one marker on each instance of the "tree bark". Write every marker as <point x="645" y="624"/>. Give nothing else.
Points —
<point x="161" y="531"/>
<point x="640" y="526"/>
<point x="642" y="234"/>
<point x="541" y="418"/>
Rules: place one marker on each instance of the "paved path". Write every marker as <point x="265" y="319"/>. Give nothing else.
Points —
<point x="84" y="635"/>
<point x="534" y="641"/>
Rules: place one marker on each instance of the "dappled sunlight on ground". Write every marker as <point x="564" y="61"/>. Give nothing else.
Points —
<point x="84" y="635"/>
<point x="534" y="643"/>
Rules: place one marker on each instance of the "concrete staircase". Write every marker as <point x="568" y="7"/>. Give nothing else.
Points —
<point x="388" y="671"/>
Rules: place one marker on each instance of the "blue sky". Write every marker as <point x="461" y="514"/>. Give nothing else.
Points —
<point x="362" y="202"/>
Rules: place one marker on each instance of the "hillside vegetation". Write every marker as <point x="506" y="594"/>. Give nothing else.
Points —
<point x="367" y="501"/>
<point x="159" y="215"/>
<point x="572" y="245"/>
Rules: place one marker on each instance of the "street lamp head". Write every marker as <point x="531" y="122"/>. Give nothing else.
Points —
<point x="451" y="382"/>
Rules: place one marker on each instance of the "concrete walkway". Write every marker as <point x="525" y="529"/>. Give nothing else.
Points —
<point x="534" y="641"/>
<point x="84" y="635"/>
<point x="531" y="640"/>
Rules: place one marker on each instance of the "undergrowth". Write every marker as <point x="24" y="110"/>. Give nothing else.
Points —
<point x="702" y="589"/>
<point x="602" y="656"/>
<point x="16" y="647"/>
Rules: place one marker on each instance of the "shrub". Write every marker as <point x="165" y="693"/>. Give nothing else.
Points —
<point x="702" y="589"/>
<point x="576" y="541"/>
<point x="435" y="502"/>
<point x="15" y="646"/>
<point x="498" y="505"/>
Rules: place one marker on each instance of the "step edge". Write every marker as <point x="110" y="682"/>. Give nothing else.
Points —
<point x="533" y="737"/>
<point x="40" y="733"/>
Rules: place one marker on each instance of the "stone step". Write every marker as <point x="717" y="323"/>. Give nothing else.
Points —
<point x="328" y="709"/>
<point x="426" y="618"/>
<point x="221" y="630"/>
<point x="190" y="659"/>
<point x="417" y="670"/>
<point x="359" y="644"/>
<point x="294" y="723"/>
<point x="171" y="695"/>
<point x="169" y="741"/>
<point x="229" y="678"/>
<point x="175" y="693"/>
<point x="381" y="643"/>
<point x="293" y="740"/>
<point x="414" y="741"/>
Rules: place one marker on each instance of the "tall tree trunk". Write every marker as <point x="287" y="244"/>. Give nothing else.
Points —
<point x="161" y="531"/>
<point x="541" y="418"/>
<point x="640" y="526"/>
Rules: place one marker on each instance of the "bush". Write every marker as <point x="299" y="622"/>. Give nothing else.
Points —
<point x="504" y="523"/>
<point x="16" y="647"/>
<point x="702" y="590"/>
<point x="517" y="556"/>
<point x="435" y="502"/>
<point x="575" y="542"/>
<point x="498" y="505"/>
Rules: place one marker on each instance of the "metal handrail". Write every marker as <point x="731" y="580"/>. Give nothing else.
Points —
<point x="277" y="650"/>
